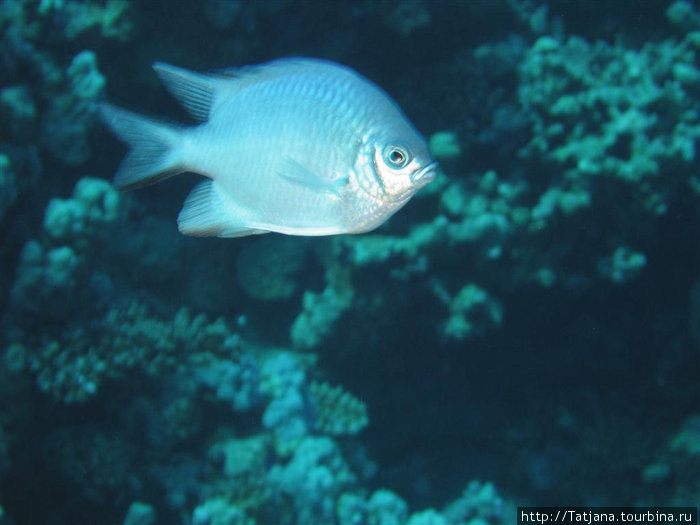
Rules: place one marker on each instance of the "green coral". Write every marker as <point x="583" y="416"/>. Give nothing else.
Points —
<point x="337" y="412"/>
<point x="46" y="279"/>
<point x="596" y="111"/>
<point x="623" y="265"/>
<point x="19" y="112"/>
<point x="108" y="17"/>
<point x="444" y="145"/>
<point x="243" y="463"/>
<point x="93" y="205"/>
<point x="71" y="367"/>
<point x="320" y="311"/>
<point x="472" y="311"/>
<point x="687" y="441"/>
<point x="140" y="513"/>
<point x="219" y="511"/>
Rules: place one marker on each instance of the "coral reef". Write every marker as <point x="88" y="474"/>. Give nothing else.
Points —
<point x="516" y="323"/>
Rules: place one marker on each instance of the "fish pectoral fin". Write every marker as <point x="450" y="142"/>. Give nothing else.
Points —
<point x="294" y="172"/>
<point x="205" y="214"/>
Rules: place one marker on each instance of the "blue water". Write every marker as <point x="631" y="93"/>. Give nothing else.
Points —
<point x="526" y="331"/>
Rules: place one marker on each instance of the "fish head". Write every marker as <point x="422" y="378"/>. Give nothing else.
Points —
<point x="399" y="167"/>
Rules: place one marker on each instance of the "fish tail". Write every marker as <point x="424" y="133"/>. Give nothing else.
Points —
<point x="154" y="147"/>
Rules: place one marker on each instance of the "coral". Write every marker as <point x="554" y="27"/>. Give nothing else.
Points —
<point x="218" y="511"/>
<point x="49" y="274"/>
<point x="682" y="15"/>
<point x="243" y="463"/>
<point x="237" y="382"/>
<point x="444" y="146"/>
<point x="623" y="265"/>
<point x="486" y="216"/>
<point x="140" y="513"/>
<point x="407" y="17"/>
<point x="67" y="122"/>
<point x="479" y="501"/>
<point x="281" y="372"/>
<point x="687" y="440"/>
<point x="19" y="111"/>
<point x="92" y="207"/>
<point x="46" y="278"/>
<point x="72" y="366"/>
<point x="337" y="412"/>
<point x="569" y="166"/>
<point x="427" y="517"/>
<point x="287" y="417"/>
<point x="472" y="311"/>
<point x="478" y="504"/>
<point x="110" y="19"/>
<point x="295" y="408"/>
<point x="351" y="509"/>
<point x="557" y="201"/>
<point x="596" y="113"/>
<point x="386" y="508"/>
<point x="287" y="414"/>
<point x="382" y="508"/>
<point x="314" y="478"/>
<point x="683" y="460"/>
<point x="322" y="310"/>
<point x="245" y="457"/>
<point x="319" y="315"/>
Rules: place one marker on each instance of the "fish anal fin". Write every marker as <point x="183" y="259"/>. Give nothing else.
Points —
<point x="206" y="214"/>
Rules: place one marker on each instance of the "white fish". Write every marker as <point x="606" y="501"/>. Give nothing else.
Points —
<point x="296" y="146"/>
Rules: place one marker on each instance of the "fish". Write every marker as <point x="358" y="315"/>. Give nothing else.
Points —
<point x="297" y="146"/>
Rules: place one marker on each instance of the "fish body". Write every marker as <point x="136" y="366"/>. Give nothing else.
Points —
<point x="296" y="146"/>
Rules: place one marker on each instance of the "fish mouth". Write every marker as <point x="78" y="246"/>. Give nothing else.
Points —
<point x="424" y="175"/>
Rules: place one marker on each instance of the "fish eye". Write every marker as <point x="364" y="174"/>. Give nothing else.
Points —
<point x="396" y="156"/>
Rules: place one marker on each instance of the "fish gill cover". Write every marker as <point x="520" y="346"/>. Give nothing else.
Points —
<point x="525" y="330"/>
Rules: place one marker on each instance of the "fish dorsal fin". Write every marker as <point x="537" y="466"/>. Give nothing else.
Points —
<point x="245" y="76"/>
<point x="195" y="91"/>
<point x="201" y="93"/>
<point x="281" y="66"/>
<point x="297" y="173"/>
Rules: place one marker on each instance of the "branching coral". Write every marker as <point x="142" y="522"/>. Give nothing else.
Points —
<point x="314" y="478"/>
<point x="321" y="311"/>
<point x="336" y="411"/>
<point x="71" y="367"/>
<point x="596" y="110"/>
